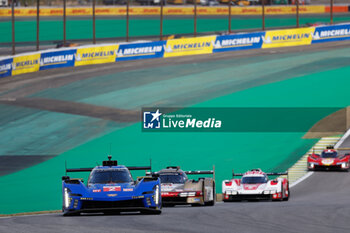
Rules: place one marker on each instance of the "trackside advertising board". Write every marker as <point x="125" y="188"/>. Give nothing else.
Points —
<point x="331" y="33"/>
<point x="26" y="64"/>
<point x="189" y="46"/>
<point x="96" y="55"/>
<point x="57" y="59"/>
<point x="107" y="53"/>
<point x="6" y="67"/>
<point x="140" y="50"/>
<point x="168" y="10"/>
<point x="288" y="37"/>
<point x="238" y="42"/>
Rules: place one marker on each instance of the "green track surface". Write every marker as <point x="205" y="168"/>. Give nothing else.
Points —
<point x="52" y="30"/>
<point x="287" y="80"/>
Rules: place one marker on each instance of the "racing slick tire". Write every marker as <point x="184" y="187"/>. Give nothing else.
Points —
<point x="287" y="198"/>
<point x="211" y="203"/>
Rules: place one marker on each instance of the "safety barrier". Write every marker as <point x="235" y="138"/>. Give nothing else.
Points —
<point x="106" y="53"/>
<point x="172" y="10"/>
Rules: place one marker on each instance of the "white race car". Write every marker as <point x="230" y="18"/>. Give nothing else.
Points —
<point x="255" y="185"/>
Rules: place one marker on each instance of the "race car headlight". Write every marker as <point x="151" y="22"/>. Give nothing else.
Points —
<point x="343" y="165"/>
<point x="312" y="165"/>
<point x="270" y="191"/>
<point x="67" y="199"/>
<point x="156" y="196"/>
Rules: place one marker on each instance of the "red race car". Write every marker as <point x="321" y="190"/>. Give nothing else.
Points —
<point x="329" y="159"/>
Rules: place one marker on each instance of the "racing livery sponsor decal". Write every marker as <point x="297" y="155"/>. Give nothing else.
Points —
<point x="288" y="37"/>
<point x="112" y="195"/>
<point x="189" y="46"/>
<point x="25" y="64"/>
<point x="327" y="162"/>
<point x="96" y="55"/>
<point x="5" y="67"/>
<point x="57" y="59"/>
<point x="331" y="33"/>
<point x="96" y="190"/>
<point x="250" y="186"/>
<point x="140" y="50"/>
<point x="128" y="190"/>
<point x="111" y="188"/>
<point x="238" y="42"/>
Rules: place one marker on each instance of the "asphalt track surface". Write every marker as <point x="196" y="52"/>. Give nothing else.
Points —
<point x="318" y="204"/>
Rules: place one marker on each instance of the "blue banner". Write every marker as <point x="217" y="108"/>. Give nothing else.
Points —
<point x="6" y="67"/>
<point x="331" y="33"/>
<point x="57" y="59"/>
<point x="238" y="42"/>
<point x="140" y="50"/>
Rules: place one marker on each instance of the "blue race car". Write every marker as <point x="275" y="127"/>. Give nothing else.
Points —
<point x="111" y="189"/>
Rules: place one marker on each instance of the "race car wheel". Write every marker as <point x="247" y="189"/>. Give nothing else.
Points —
<point x="211" y="203"/>
<point x="287" y="198"/>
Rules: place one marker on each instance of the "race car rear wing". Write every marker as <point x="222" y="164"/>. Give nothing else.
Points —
<point x="204" y="172"/>
<point x="200" y="172"/>
<point x="90" y="169"/>
<point x="277" y="173"/>
<point x="109" y="163"/>
<point x="268" y="173"/>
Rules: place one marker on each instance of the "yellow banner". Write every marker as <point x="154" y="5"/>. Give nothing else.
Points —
<point x="96" y="55"/>
<point x="190" y="46"/>
<point x="277" y="10"/>
<point x="25" y="64"/>
<point x="172" y="10"/>
<point x="288" y="37"/>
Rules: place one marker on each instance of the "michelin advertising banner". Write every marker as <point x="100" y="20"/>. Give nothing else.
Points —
<point x="288" y="37"/>
<point x="96" y="55"/>
<point x="5" y="67"/>
<point x="331" y="33"/>
<point x="108" y="53"/>
<point x="57" y="59"/>
<point x="26" y="64"/>
<point x="238" y="42"/>
<point x="140" y="50"/>
<point x="189" y="46"/>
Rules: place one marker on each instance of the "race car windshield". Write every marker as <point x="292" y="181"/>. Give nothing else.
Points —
<point x="254" y="180"/>
<point x="174" y="179"/>
<point x="110" y="177"/>
<point x="332" y="154"/>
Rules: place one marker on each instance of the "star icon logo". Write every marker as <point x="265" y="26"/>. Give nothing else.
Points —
<point x="151" y="120"/>
<point x="156" y="115"/>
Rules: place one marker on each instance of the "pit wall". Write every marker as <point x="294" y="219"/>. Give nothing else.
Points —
<point x="174" y="10"/>
<point x="108" y="53"/>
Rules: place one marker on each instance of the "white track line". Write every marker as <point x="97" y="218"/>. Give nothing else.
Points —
<point x="345" y="136"/>
<point x="304" y="177"/>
